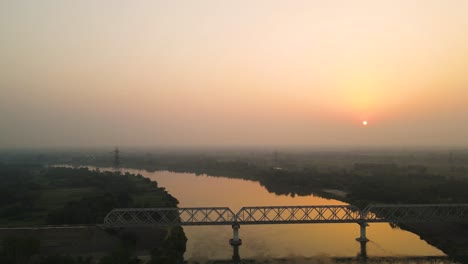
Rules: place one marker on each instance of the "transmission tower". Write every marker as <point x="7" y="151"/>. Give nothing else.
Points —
<point x="116" y="158"/>
<point x="452" y="167"/>
<point x="275" y="159"/>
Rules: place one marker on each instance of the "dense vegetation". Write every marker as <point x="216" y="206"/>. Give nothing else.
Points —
<point x="368" y="183"/>
<point x="33" y="195"/>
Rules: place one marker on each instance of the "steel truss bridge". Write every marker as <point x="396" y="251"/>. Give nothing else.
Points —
<point x="393" y="213"/>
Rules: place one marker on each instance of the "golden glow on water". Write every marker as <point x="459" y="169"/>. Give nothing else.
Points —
<point x="276" y="240"/>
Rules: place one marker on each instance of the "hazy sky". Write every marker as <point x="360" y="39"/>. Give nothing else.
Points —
<point x="244" y="72"/>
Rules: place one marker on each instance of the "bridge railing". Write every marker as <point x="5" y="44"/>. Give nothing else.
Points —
<point x="170" y="216"/>
<point x="298" y="214"/>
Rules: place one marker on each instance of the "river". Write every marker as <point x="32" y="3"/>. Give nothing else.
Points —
<point x="276" y="241"/>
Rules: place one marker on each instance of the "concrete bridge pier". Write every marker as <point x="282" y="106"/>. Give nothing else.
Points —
<point x="362" y="237"/>
<point x="235" y="241"/>
<point x="235" y="254"/>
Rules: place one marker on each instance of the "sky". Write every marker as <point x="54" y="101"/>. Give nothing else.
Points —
<point x="233" y="73"/>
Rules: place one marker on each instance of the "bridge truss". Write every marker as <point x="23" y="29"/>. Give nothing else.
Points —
<point x="410" y="213"/>
<point x="170" y="216"/>
<point x="298" y="214"/>
<point x="416" y="213"/>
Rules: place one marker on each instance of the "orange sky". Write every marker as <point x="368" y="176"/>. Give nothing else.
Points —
<point x="87" y="73"/>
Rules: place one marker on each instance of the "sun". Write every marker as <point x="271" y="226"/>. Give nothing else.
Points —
<point x="364" y="123"/>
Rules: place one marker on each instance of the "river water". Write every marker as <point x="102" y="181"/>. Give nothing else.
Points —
<point x="276" y="241"/>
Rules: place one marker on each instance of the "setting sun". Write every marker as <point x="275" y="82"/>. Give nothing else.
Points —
<point x="147" y="119"/>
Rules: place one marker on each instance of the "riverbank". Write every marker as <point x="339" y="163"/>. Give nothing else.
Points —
<point x="452" y="239"/>
<point x="87" y="240"/>
<point x="35" y="196"/>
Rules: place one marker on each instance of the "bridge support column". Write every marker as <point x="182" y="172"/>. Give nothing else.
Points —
<point x="362" y="237"/>
<point x="363" y="252"/>
<point x="235" y="242"/>
<point x="235" y="253"/>
<point x="235" y="235"/>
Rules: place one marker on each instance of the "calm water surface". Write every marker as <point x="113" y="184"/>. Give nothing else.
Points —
<point x="272" y="241"/>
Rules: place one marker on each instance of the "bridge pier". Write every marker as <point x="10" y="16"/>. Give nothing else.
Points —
<point x="363" y="252"/>
<point x="362" y="237"/>
<point x="235" y="253"/>
<point x="235" y="241"/>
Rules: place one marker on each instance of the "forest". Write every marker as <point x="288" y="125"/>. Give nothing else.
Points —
<point x="34" y="195"/>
